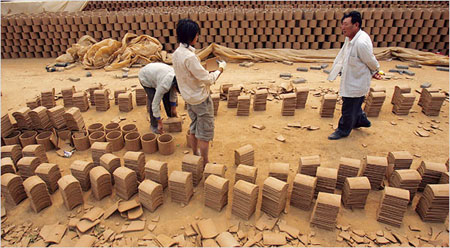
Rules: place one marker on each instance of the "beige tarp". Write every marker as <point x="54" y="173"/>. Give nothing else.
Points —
<point x="30" y="7"/>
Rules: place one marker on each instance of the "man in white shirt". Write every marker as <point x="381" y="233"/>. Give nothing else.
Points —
<point x="357" y="65"/>
<point x="194" y="82"/>
<point x="159" y="82"/>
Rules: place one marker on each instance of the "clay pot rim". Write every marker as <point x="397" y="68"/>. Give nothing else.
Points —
<point x="143" y="137"/>
<point x="128" y="128"/>
<point x="78" y="138"/>
<point x="91" y="136"/>
<point x="43" y="135"/>
<point x="163" y="136"/>
<point x="28" y="134"/>
<point x="10" y="136"/>
<point x="119" y="135"/>
<point x="115" y="126"/>
<point x="128" y="136"/>
<point x="96" y="126"/>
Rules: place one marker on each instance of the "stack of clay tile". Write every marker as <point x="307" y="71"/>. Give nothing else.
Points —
<point x="303" y="191"/>
<point x="111" y="162"/>
<point x="406" y="179"/>
<point x="326" y="210"/>
<point x="39" y="118"/>
<point x="246" y="172"/>
<point x="216" y="192"/>
<point x="245" y="197"/>
<point x="433" y="205"/>
<point x="216" y="100"/>
<point x="125" y="182"/>
<point x="233" y="94"/>
<point x="326" y="180"/>
<point x="193" y="164"/>
<point x="67" y="94"/>
<point x="173" y="124"/>
<point x="100" y="182"/>
<point x="426" y="93"/>
<point x="214" y="169"/>
<point x="279" y="170"/>
<point x="117" y="93"/>
<point x="430" y="173"/>
<point x="74" y="120"/>
<point x="150" y="194"/>
<point x="355" y="192"/>
<point x="98" y="149"/>
<point x="399" y="160"/>
<point x="48" y="98"/>
<point x="141" y="97"/>
<point x="308" y="165"/>
<point x="403" y="103"/>
<point x="181" y="187"/>
<point x="260" y="100"/>
<point x="34" y="102"/>
<point x="302" y="96"/>
<point x="101" y="100"/>
<point x="443" y="180"/>
<point x="289" y="104"/>
<point x="7" y="166"/>
<point x="432" y="102"/>
<point x="157" y="171"/>
<point x="125" y="102"/>
<point x="80" y="100"/>
<point x="27" y="165"/>
<point x="244" y="155"/>
<point x="56" y="115"/>
<point x="393" y="204"/>
<point x="136" y="162"/>
<point x="243" y="107"/>
<point x="37" y="191"/>
<point x="274" y="196"/>
<point x="12" y="188"/>
<point x="22" y="118"/>
<point x="70" y="190"/>
<point x="374" y="102"/>
<point x="328" y="105"/>
<point x="12" y="151"/>
<point x="398" y="90"/>
<point x="35" y="150"/>
<point x="92" y="90"/>
<point x="6" y="125"/>
<point x="348" y="167"/>
<point x="50" y="174"/>
<point x="80" y="170"/>
<point x="374" y="169"/>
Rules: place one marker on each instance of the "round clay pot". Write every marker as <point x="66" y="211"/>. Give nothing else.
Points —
<point x="128" y="128"/>
<point x="95" y="127"/>
<point x="44" y="139"/>
<point x="81" y="141"/>
<point x="112" y="127"/>
<point x="98" y="136"/>
<point x="133" y="141"/>
<point x="28" y="138"/>
<point x="116" y="140"/>
<point x="166" y="144"/>
<point x="149" y="143"/>
<point x="13" y="138"/>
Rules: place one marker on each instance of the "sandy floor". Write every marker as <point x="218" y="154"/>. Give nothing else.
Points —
<point x="22" y="79"/>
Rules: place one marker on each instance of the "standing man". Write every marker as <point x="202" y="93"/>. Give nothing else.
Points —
<point x="357" y="65"/>
<point x="194" y="82"/>
<point x="159" y="82"/>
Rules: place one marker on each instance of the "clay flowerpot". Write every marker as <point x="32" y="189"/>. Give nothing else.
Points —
<point x="44" y="139"/>
<point x="95" y="127"/>
<point x="166" y="144"/>
<point x="133" y="141"/>
<point x="13" y="138"/>
<point x="98" y="136"/>
<point x="149" y="143"/>
<point x="81" y="141"/>
<point x="112" y="127"/>
<point x="116" y="140"/>
<point x="28" y="138"/>
<point x="128" y="128"/>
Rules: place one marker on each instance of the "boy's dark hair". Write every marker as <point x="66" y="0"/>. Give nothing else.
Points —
<point x="175" y="83"/>
<point x="356" y="18"/>
<point x="187" y="29"/>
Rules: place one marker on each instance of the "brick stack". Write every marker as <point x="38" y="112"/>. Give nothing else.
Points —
<point x="279" y="171"/>
<point x="246" y="173"/>
<point x="348" y="167"/>
<point x="74" y="120"/>
<point x="80" y="100"/>
<point x="274" y="196"/>
<point x="328" y="105"/>
<point x="433" y="205"/>
<point x="56" y="115"/>
<point x="194" y="165"/>
<point x="12" y="151"/>
<point x="374" y="169"/>
<point x="430" y="173"/>
<point x="399" y="160"/>
<point x="7" y="166"/>
<point x="426" y="93"/>
<point x="398" y="90"/>
<point x="100" y="182"/>
<point x="403" y="104"/>
<point x="35" y="151"/>
<point x="181" y="187"/>
<point x="173" y="124"/>
<point x="243" y="106"/>
<point x="37" y="192"/>
<point x="141" y="97"/>
<point x="48" y="98"/>
<point x="302" y="96"/>
<point x="393" y="204"/>
<point x="214" y="169"/>
<point x="326" y="210"/>
<point x="244" y="155"/>
<point x="245" y="198"/>
<point x="101" y="100"/>
<point x="136" y="162"/>
<point x="22" y="118"/>
<point x="117" y="93"/>
<point x="12" y="188"/>
<point x="92" y="90"/>
<point x="260" y="100"/>
<point x="216" y="100"/>
<point x="71" y="192"/>
<point x="98" y="149"/>
<point x="50" y="174"/>
<point x="80" y="170"/>
<point x="27" y="165"/>
<point x="233" y="94"/>
<point x="374" y="102"/>
<point x="67" y="94"/>
<point x="125" y="182"/>
<point x="157" y="171"/>
<point x="432" y="102"/>
<point x="150" y="194"/>
<point x="355" y="192"/>
<point x="7" y="127"/>
<point x="308" y="165"/>
<point x="289" y="104"/>
<point x="406" y="179"/>
<point x="39" y="118"/>
<point x="125" y="102"/>
<point x="216" y="192"/>
<point x="303" y="191"/>
<point x="326" y="180"/>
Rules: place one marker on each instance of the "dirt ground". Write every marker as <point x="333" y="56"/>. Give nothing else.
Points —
<point x="22" y="79"/>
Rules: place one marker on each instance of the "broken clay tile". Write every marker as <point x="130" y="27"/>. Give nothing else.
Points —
<point x="85" y="241"/>
<point x="93" y="214"/>
<point x="53" y="233"/>
<point x="281" y="138"/>
<point x="109" y="211"/>
<point x="137" y="225"/>
<point x="152" y="227"/>
<point x="127" y="205"/>
<point x="135" y="213"/>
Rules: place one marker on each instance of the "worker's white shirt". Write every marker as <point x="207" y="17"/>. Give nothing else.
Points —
<point x="193" y="79"/>
<point x="160" y="77"/>
<point x="357" y="64"/>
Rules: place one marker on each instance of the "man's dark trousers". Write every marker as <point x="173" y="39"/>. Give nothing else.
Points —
<point x="352" y="115"/>
<point x="166" y="101"/>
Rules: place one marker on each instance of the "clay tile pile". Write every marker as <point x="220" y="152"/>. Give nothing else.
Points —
<point x="36" y="150"/>
<point x="67" y="94"/>
<point x="328" y="105"/>
<point x="111" y="162"/>
<point x="326" y="211"/>
<point x="193" y="164"/>
<point x="70" y="190"/>
<point x="348" y="167"/>
<point x="430" y="173"/>
<point x="243" y="107"/>
<point x="50" y="174"/>
<point x="326" y="180"/>
<point x="303" y="191"/>
<point x="150" y="194"/>
<point x="136" y="162"/>
<point x="374" y="169"/>
<point x="125" y="102"/>
<point x="39" y="118"/>
<point x="399" y="160"/>
<point x="274" y="196"/>
<point x="403" y="104"/>
<point x="74" y="120"/>
<point x="141" y="97"/>
<point x="7" y="166"/>
<point x="27" y="165"/>
<point x="216" y="192"/>
<point x="444" y="178"/>
<point x="12" y="188"/>
<point x="48" y="98"/>
<point x="101" y="100"/>
<point x="393" y="204"/>
<point x="289" y="104"/>
<point x="302" y="96"/>
<point x="98" y="149"/>
<point x="355" y="192"/>
<point x="22" y="118"/>
<point x="246" y="173"/>
<point x="7" y="127"/>
<point x="244" y="155"/>
<point x="157" y="171"/>
<point x="56" y="115"/>
<point x="308" y="165"/>
<point x="279" y="170"/>
<point x="36" y="190"/>
<point x="117" y="93"/>
<point x="233" y="94"/>
<point x="80" y="100"/>
<point x="80" y="170"/>
<point x="398" y="90"/>
<point x="433" y="205"/>
<point x="125" y="182"/>
<point x="92" y="90"/>
<point x="432" y="102"/>
<point x="245" y="197"/>
<point x="173" y="124"/>
<point x="226" y="239"/>
<point x="181" y="186"/>
<point x="406" y="179"/>
<point x="214" y="169"/>
<point x="216" y="100"/>
<point x="260" y="100"/>
<point x="100" y="182"/>
<point x="374" y="102"/>
<point x="12" y="151"/>
<point x="426" y="93"/>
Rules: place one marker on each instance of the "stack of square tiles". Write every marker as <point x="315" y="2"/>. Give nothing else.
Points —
<point x="150" y="194"/>
<point x="216" y="100"/>
<point x="111" y="162"/>
<point x="80" y="170"/>
<point x="279" y="170"/>
<point x="302" y="96"/>
<point x="80" y="100"/>
<point x="12" y="188"/>
<point x="67" y="94"/>
<point x="433" y="205"/>
<point x="71" y="192"/>
<point x="101" y="100"/>
<point x="399" y="160"/>
<point x="216" y="192"/>
<point x="243" y="108"/>
<point x="35" y="150"/>
<point x="141" y="97"/>
<point x="100" y="182"/>
<point x="98" y="149"/>
<point x="246" y="172"/>
<point x="193" y="164"/>
<point x="303" y="191"/>
<point x="308" y="165"/>
<point x="374" y="169"/>
<point x="181" y="187"/>
<point x="12" y="151"/>
<point x="48" y="98"/>
<point x="173" y="124"/>
<point x="274" y="196"/>
<point x="328" y="105"/>
<point x="426" y="93"/>
<point x="326" y="210"/>
<point x="432" y="103"/>
<point x="348" y="167"/>
<point x="50" y="174"/>
<point x="403" y="104"/>
<point x="56" y="115"/>
<point x="245" y="197"/>
<point x="260" y="100"/>
<point x="27" y="166"/>
<point x="92" y="90"/>
<point x="117" y="93"/>
<point x="443" y="180"/>
<point x="37" y="192"/>
<point x="326" y="180"/>
<point x="214" y="169"/>
<point x="39" y="118"/>
<point x="74" y="120"/>
<point x="125" y="102"/>
<point x="393" y="204"/>
<point x="7" y="166"/>
<point x="157" y="171"/>
<point x="34" y="102"/>
<point x="406" y="179"/>
<point x="125" y="182"/>
<point x="398" y="90"/>
<point x="430" y="173"/>
<point x="374" y="102"/>
<point x="355" y="192"/>
<point x="233" y="94"/>
<point x="22" y="118"/>
<point x="244" y="155"/>
<point x="136" y="162"/>
<point x="6" y="125"/>
<point x="289" y="104"/>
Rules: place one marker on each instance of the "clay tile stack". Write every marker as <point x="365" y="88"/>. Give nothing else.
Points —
<point x="6" y="125"/>
<point x="125" y="182"/>
<point x="12" y="151"/>
<point x="374" y="102"/>
<point x="432" y="102"/>
<point x="141" y="97"/>
<point x="289" y="104"/>
<point x="56" y="115"/>
<point x="111" y="162"/>
<point x="50" y="174"/>
<point x="193" y="164"/>
<point x="326" y="180"/>
<point x="34" y="102"/>
<point x="308" y="165"/>
<point x="101" y="100"/>
<point x="399" y="161"/>
<point x="216" y="100"/>
<point x="22" y="118"/>
<point x="403" y="104"/>
<point x="393" y="204"/>
<point x="74" y="120"/>
<point x="348" y="167"/>
<point x="26" y="166"/>
<point x="245" y="197"/>
<point x="39" y="118"/>
<point x="181" y="187"/>
<point x="12" y="188"/>
<point x="173" y="124"/>
<point x="48" y="98"/>
<point x="430" y="173"/>
<point x="279" y="170"/>
<point x="98" y="149"/>
<point x="214" y="169"/>
<point x="433" y="205"/>
<point x="326" y="210"/>
<point x="70" y="190"/>
<point x="67" y="94"/>
<point x="302" y="96"/>
<point x="37" y="191"/>
<point x="35" y="150"/>
<point x="244" y="155"/>
<point x="100" y="182"/>
<point x="243" y="107"/>
<point x="125" y="102"/>
<point x="303" y="191"/>
<point x="216" y="192"/>
<point x="406" y="179"/>
<point x="80" y="100"/>
<point x="246" y="173"/>
<point x="374" y="169"/>
<point x="274" y="196"/>
<point x="92" y="90"/>
<point x="328" y="105"/>
<point x="117" y="93"/>
<point x="443" y="180"/>
<point x="150" y="194"/>
<point x="80" y="170"/>
<point x="233" y="94"/>
<point x="355" y="192"/>
<point x="7" y="166"/>
<point x="136" y="162"/>
<point x="398" y="90"/>
<point x="157" y="171"/>
<point x="426" y="93"/>
<point x="260" y="100"/>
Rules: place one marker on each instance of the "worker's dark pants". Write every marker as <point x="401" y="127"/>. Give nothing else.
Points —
<point x="166" y="101"/>
<point x="352" y="115"/>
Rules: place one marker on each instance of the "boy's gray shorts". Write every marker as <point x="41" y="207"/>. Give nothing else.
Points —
<point x="202" y="116"/>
